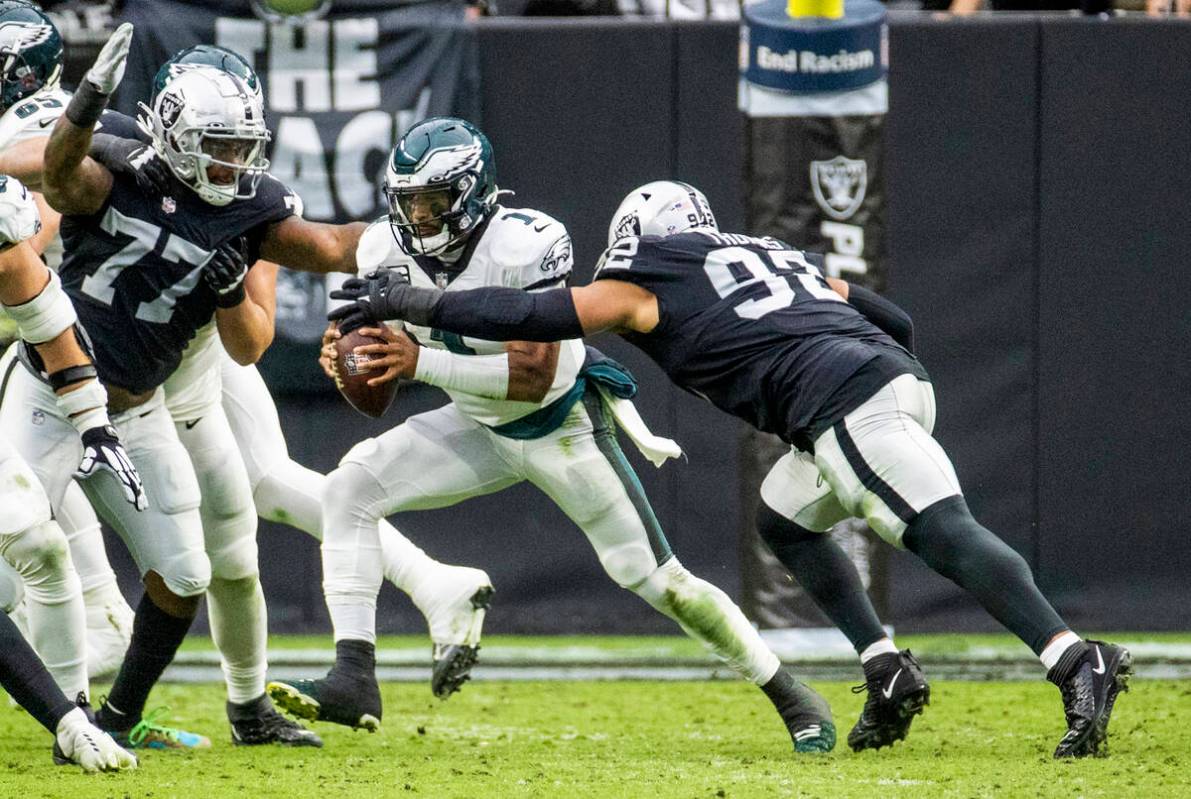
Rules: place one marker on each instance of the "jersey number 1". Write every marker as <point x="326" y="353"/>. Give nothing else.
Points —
<point x="732" y="268"/>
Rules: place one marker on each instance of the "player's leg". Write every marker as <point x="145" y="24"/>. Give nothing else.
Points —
<point x="432" y="460"/>
<point x="38" y="453"/>
<point x="76" y="739"/>
<point x="235" y="600"/>
<point x="109" y="618"/>
<point x="166" y="541"/>
<point x="289" y="493"/>
<point x="581" y="467"/>
<point x="882" y="462"/>
<point x="797" y="513"/>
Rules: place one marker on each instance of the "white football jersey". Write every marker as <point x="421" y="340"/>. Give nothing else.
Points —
<point x="33" y="117"/>
<point x="520" y="248"/>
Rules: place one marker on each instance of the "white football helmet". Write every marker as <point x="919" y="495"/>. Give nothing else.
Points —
<point x="206" y="120"/>
<point x="19" y="219"/>
<point x="661" y="208"/>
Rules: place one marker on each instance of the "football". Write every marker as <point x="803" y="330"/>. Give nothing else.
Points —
<point x="352" y="380"/>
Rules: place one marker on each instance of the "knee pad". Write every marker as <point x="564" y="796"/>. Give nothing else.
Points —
<point x="234" y="554"/>
<point x="777" y="531"/>
<point x="38" y="552"/>
<point x="21" y="495"/>
<point x="186" y="574"/>
<point x="629" y="564"/>
<point x="12" y="588"/>
<point x="352" y="492"/>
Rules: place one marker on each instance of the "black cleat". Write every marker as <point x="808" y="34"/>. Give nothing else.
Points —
<point x="897" y="691"/>
<point x="348" y="695"/>
<point x="258" y="722"/>
<point x="453" y="662"/>
<point x="806" y="714"/>
<point x="1090" y="683"/>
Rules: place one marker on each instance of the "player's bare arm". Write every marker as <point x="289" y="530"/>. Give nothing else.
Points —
<point x="246" y="328"/>
<point x="306" y="246"/>
<point x="72" y="182"/>
<point x="24" y="160"/>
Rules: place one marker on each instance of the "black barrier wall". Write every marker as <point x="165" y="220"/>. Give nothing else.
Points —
<point x="1037" y="175"/>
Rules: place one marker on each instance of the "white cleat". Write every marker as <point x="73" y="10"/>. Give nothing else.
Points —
<point x="80" y="742"/>
<point x="456" y="619"/>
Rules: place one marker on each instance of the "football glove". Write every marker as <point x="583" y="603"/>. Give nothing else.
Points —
<point x="134" y="158"/>
<point x="103" y="452"/>
<point x="380" y="295"/>
<point x="225" y="273"/>
<point x="108" y="70"/>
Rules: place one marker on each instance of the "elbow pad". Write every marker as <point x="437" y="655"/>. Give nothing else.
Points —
<point x="502" y="314"/>
<point x="47" y="315"/>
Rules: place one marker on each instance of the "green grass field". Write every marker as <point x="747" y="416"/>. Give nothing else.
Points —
<point x="640" y="739"/>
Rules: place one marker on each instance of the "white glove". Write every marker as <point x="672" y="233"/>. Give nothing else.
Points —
<point x="19" y="219"/>
<point x="103" y="452"/>
<point x="89" y="747"/>
<point x="105" y="74"/>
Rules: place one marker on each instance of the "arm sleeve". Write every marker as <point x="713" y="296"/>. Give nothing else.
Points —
<point x="883" y="313"/>
<point x="494" y="314"/>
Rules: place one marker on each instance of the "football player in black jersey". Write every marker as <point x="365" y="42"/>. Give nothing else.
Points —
<point x="146" y="271"/>
<point x="752" y="326"/>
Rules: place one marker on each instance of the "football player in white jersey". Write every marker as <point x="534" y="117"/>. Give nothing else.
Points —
<point x="545" y="413"/>
<point x="30" y="540"/>
<point x="30" y="102"/>
<point x="453" y="599"/>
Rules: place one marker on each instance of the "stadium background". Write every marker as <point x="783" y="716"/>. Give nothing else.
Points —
<point x="1036" y="240"/>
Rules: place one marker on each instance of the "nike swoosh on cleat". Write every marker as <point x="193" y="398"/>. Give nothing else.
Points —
<point x="1098" y="669"/>
<point x="888" y="692"/>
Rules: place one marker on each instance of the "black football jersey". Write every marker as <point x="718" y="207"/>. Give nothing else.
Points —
<point x="752" y="326"/>
<point x="134" y="268"/>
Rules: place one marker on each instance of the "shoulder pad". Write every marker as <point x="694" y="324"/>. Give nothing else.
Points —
<point x="532" y="247"/>
<point x="32" y="117"/>
<point x="377" y="247"/>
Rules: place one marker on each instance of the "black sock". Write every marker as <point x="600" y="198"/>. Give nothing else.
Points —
<point x="24" y="677"/>
<point x="156" y="636"/>
<point x="779" y="689"/>
<point x="826" y="573"/>
<point x="1068" y="663"/>
<point x="956" y="546"/>
<point x="355" y="658"/>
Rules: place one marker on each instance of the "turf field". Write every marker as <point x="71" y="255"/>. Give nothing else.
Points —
<point x="642" y="739"/>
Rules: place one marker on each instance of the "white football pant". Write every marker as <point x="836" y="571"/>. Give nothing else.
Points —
<point x="879" y="463"/>
<point x="442" y="457"/>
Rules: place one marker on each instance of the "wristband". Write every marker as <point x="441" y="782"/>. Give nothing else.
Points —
<point x="86" y="406"/>
<point x="86" y="106"/>
<point x="232" y="298"/>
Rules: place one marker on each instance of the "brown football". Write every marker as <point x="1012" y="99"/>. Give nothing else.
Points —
<point x="352" y="381"/>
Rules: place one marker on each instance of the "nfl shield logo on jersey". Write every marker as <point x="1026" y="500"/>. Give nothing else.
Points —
<point x="168" y="205"/>
<point x="839" y="185"/>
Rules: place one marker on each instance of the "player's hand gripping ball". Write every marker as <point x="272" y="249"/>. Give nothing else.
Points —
<point x="352" y="373"/>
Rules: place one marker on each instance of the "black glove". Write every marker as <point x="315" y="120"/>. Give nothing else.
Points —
<point x="380" y="295"/>
<point x="225" y="273"/>
<point x="135" y="159"/>
<point x="103" y="452"/>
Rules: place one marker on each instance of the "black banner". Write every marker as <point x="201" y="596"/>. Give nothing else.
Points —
<point x="339" y="92"/>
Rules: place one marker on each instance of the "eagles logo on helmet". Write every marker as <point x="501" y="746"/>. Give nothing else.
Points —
<point x="30" y="52"/>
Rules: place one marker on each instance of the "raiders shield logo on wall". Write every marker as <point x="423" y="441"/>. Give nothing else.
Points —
<point x="839" y="185"/>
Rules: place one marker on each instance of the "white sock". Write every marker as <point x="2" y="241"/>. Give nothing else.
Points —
<point x="710" y="617"/>
<point x="1053" y="652"/>
<point x="353" y="619"/>
<point x="883" y="647"/>
<point x="109" y="628"/>
<point x="239" y="627"/>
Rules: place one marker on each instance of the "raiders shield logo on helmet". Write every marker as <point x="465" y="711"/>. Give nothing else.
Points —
<point x="839" y="185"/>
